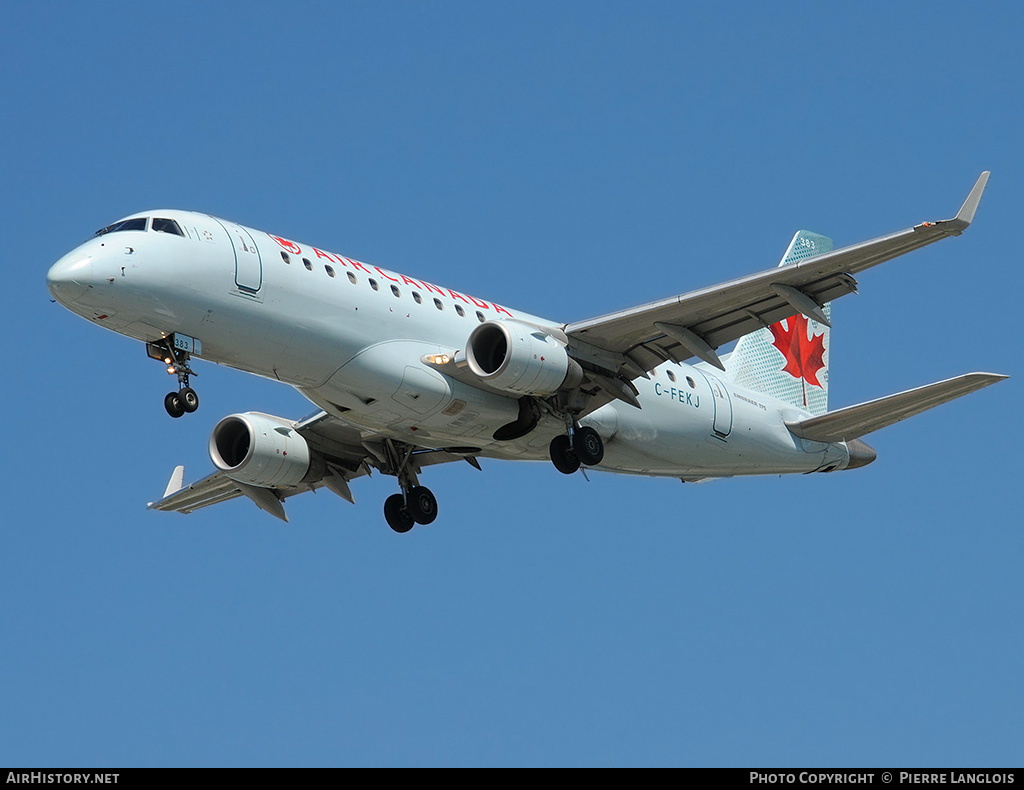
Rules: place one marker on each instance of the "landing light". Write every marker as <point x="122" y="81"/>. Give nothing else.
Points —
<point x="171" y="369"/>
<point x="438" y="359"/>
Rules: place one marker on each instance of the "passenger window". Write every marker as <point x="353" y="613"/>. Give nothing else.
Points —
<point x="395" y="291"/>
<point x="307" y="264"/>
<point x="671" y="376"/>
<point x="329" y="270"/>
<point x="166" y="226"/>
<point x="352" y="278"/>
<point x="284" y="257"/>
<point x="479" y="316"/>
<point x="417" y="298"/>
<point x="691" y="383"/>
<point x="438" y="305"/>
<point x="459" y="310"/>
<point x="373" y="285"/>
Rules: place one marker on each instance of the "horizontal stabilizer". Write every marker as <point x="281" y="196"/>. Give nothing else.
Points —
<point x="854" y="421"/>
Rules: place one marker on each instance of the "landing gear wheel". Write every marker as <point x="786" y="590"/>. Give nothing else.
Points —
<point x="396" y="514"/>
<point x="422" y="505"/>
<point x="588" y="446"/>
<point x="174" y="405"/>
<point x="189" y="400"/>
<point x="562" y="455"/>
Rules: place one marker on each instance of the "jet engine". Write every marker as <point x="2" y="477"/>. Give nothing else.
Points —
<point x="261" y="450"/>
<point x="521" y="359"/>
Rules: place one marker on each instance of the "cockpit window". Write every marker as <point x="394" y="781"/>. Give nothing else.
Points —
<point x="166" y="226"/>
<point x="136" y="223"/>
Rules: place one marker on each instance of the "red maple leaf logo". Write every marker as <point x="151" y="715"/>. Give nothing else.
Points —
<point x="291" y="246"/>
<point x="804" y="358"/>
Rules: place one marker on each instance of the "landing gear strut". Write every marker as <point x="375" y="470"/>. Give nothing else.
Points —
<point x="583" y="448"/>
<point x="416" y="504"/>
<point x="185" y="400"/>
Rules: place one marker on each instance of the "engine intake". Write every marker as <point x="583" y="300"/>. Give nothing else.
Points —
<point x="260" y="450"/>
<point x="520" y="358"/>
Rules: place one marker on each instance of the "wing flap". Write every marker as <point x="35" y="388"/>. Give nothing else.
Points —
<point x="855" y="421"/>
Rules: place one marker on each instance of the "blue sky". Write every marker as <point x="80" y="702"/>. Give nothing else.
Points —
<point x="565" y="159"/>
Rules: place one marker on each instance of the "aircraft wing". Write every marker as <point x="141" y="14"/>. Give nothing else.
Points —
<point x="856" y="421"/>
<point x="635" y="341"/>
<point x="348" y="453"/>
<point x="208" y="491"/>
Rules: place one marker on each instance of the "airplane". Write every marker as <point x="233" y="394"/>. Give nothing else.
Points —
<point x="406" y="374"/>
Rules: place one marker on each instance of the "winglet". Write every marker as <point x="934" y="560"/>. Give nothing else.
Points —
<point x="965" y="215"/>
<point x="174" y="484"/>
<point x="966" y="212"/>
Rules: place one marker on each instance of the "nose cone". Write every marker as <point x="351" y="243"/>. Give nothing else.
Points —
<point x="70" y="277"/>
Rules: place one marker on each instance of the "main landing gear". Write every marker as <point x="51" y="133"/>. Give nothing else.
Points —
<point x="583" y="448"/>
<point x="185" y="400"/>
<point x="404" y="511"/>
<point x="416" y="504"/>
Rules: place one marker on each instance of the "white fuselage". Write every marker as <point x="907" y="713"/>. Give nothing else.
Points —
<point x="350" y="336"/>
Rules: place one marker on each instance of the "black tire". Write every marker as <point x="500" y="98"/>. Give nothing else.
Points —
<point x="562" y="455"/>
<point x="189" y="400"/>
<point x="422" y="505"/>
<point x="589" y="447"/>
<point x="396" y="513"/>
<point x="173" y="405"/>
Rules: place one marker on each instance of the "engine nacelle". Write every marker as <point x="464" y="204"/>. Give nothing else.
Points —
<point x="260" y="450"/>
<point x="520" y="358"/>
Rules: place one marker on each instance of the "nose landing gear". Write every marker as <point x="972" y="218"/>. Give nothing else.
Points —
<point x="185" y="400"/>
<point x="182" y="401"/>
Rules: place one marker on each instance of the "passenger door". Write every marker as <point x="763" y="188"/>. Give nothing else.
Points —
<point x="248" y="263"/>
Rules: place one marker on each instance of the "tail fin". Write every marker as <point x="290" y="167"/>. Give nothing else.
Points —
<point x="788" y="360"/>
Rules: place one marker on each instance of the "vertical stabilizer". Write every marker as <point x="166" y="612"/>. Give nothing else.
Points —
<point x="789" y="360"/>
